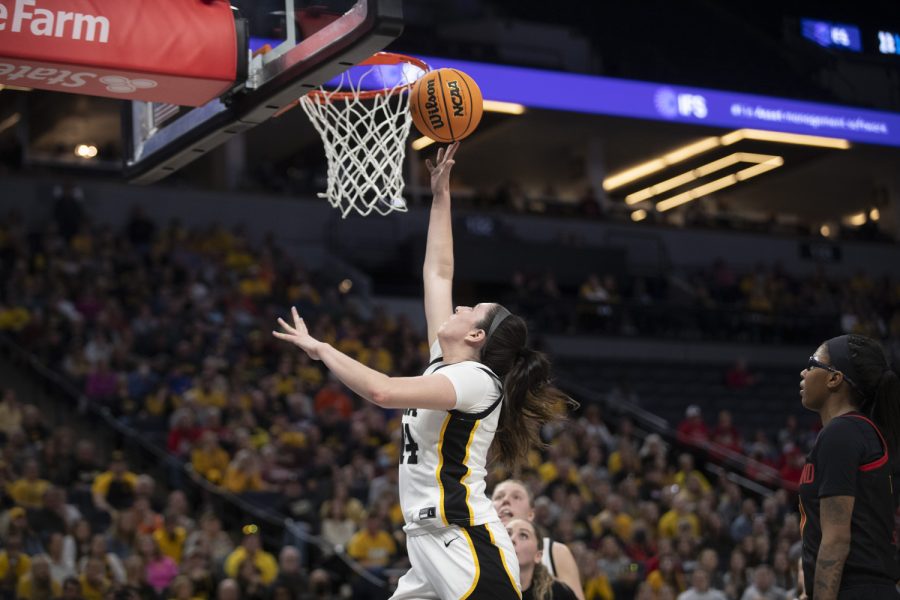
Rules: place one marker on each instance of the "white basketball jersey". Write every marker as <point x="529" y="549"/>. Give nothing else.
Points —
<point x="547" y="557"/>
<point x="444" y="453"/>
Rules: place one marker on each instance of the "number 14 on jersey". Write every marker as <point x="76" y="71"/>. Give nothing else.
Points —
<point x="408" y="447"/>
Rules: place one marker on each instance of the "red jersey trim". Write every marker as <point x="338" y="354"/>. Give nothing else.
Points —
<point x="881" y="461"/>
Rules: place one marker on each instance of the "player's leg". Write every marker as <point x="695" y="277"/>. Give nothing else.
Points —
<point x="413" y="586"/>
<point x="472" y="562"/>
<point x="499" y="566"/>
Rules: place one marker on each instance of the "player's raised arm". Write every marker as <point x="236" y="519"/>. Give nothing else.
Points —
<point x="437" y="270"/>
<point x="434" y="392"/>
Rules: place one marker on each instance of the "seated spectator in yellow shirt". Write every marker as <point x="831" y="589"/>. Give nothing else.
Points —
<point x="207" y="393"/>
<point x="171" y="537"/>
<point x="372" y="546"/>
<point x="251" y="549"/>
<point x="598" y="588"/>
<point x="18" y="524"/>
<point x="38" y="584"/>
<point x="114" y="489"/>
<point x="112" y="564"/>
<point x="681" y="511"/>
<point x="13" y="564"/>
<point x="209" y="459"/>
<point x="243" y="473"/>
<point x="94" y="583"/>
<point x="28" y="491"/>
<point x="686" y="469"/>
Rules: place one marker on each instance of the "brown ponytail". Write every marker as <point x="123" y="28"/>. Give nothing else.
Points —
<point x="879" y="388"/>
<point x="530" y="400"/>
<point x="541" y="583"/>
<point x="541" y="579"/>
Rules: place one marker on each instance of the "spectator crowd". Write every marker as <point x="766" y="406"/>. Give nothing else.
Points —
<point x="763" y="305"/>
<point x="168" y="329"/>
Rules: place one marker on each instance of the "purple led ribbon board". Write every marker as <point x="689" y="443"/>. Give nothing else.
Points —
<point x="660" y="102"/>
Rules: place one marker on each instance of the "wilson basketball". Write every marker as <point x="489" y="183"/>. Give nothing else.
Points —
<point x="446" y="105"/>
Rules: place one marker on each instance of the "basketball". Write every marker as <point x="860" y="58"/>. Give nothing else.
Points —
<point x="446" y="105"/>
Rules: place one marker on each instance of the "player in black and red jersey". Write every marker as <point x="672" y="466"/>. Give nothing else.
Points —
<point x="846" y="495"/>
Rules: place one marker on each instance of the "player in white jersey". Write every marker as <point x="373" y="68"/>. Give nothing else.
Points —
<point x="484" y="382"/>
<point x="512" y="500"/>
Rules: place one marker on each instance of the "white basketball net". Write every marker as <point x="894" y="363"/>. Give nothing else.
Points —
<point x="365" y="144"/>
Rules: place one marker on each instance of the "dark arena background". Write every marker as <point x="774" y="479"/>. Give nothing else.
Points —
<point x="683" y="199"/>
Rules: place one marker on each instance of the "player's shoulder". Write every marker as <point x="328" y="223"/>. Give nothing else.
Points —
<point x="847" y="425"/>
<point x="468" y="367"/>
<point x="563" y="592"/>
<point x="846" y="433"/>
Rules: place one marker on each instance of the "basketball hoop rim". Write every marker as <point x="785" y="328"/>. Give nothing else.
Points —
<point x="377" y="59"/>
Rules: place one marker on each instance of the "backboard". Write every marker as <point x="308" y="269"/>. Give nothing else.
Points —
<point x="293" y="46"/>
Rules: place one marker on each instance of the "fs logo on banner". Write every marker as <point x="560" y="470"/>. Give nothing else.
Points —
<point x="671" y="104"/>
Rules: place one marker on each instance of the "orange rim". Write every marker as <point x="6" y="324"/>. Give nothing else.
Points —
<point x="379" y="58"/>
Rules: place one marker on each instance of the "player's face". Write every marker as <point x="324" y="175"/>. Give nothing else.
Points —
<point x="813" y="390"/>
<point x="465" y="320"/>
<point x="511" y="502"/>
<point x="525" y="542"/>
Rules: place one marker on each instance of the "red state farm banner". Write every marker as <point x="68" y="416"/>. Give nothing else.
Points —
<point x="177" y="51"/>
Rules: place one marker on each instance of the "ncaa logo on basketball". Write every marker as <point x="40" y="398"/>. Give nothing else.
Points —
<point x="456" y="99"/>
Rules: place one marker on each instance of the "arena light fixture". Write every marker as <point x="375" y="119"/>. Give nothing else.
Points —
<point x="856" y="220"/>
<point x="658" y="164"/>
<point x="639" y="215"/>
<point x="724" y="163"/>
<point x="694" y="174"/>
<point x="86" y="151"/>
<point x="718" y="184"/>
<point x="508" y="108"/>
<point x="780" y="137"/>
<point x="825" y="230"/>
<point x="874" y="214"/>
<point x="683" y="153"/>
<point x="422" y="143"/>
<point x="772" y="163"/>
<point x="659" y="188"/>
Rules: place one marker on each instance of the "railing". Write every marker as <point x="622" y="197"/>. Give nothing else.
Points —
<point x="656" y="319"/>
<point x="750" y="474"/>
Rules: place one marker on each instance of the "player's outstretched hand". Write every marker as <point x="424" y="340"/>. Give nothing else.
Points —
<point x="298" y="335"/>
<point x="440" y="170"/>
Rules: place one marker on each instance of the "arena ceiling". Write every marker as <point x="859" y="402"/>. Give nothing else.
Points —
<point x="539" y="150"/>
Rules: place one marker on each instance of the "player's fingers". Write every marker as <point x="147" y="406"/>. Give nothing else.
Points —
<point x="429" y="165"/>
<point x="451" y="152"/>
<point x="440" y="155"/>
<point x="284" y="325"/>
<point x="298" y="322"/>
<point x="281" y="336"/>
